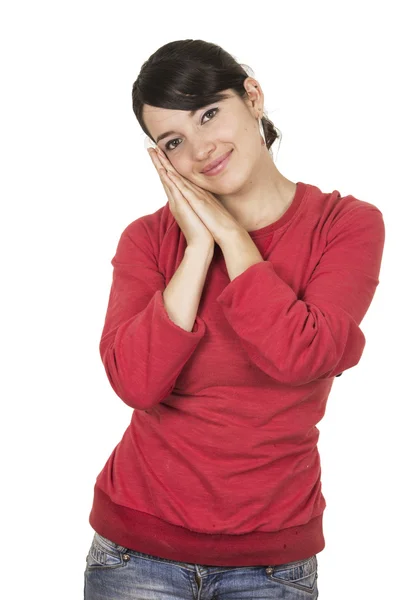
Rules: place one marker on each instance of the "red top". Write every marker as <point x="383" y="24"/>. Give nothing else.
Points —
<point x="219" y="464"/>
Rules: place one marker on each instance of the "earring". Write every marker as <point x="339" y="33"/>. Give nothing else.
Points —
<point x="262" y="132"/>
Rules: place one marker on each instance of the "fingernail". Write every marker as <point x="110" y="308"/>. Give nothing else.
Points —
<point x="148" y="142"/>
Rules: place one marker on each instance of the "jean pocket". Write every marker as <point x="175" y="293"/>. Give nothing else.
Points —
<point x="300" y="575"/>
<point x="104" y="553"/>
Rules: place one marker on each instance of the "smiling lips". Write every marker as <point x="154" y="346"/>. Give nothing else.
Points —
<point x="216" y="162"/>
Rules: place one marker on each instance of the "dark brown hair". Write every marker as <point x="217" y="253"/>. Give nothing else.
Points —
<point x="190" y="74"/>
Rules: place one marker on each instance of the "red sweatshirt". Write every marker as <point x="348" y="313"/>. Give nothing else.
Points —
<point x="219" y="464"/>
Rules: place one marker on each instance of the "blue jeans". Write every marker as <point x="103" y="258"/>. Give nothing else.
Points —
<point x="117" y="573"/>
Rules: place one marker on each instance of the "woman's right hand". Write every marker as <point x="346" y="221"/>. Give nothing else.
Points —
<point x="196" y="233"/>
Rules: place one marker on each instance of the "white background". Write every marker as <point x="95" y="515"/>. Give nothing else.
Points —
<point x="74" y="173"/>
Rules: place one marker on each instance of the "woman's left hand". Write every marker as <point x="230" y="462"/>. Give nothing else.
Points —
<point x="209" y="209"/>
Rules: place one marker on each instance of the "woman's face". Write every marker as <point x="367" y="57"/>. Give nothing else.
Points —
<point x="191" y="142"/>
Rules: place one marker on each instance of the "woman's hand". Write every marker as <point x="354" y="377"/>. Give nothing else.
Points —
<point x="196" y="233"/>
<point x="211" y="212"/>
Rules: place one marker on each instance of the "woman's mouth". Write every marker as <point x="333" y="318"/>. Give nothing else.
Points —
<point x="219" y="167"/>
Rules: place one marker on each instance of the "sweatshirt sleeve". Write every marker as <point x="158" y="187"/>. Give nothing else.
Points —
<point x="295" y="339"/>
<point x="142" y="349"/>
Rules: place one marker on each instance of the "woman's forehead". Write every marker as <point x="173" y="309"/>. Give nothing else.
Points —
<point x="156" y="116"/>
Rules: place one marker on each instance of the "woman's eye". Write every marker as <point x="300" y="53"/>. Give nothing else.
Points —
<point x="210" y="111"/>
<point x="167" y="146"/>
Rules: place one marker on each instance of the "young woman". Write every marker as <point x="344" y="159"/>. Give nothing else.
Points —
<point x="232" y="310"/>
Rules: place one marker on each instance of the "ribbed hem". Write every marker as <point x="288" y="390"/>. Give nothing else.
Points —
<point x="148" y="534"/>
